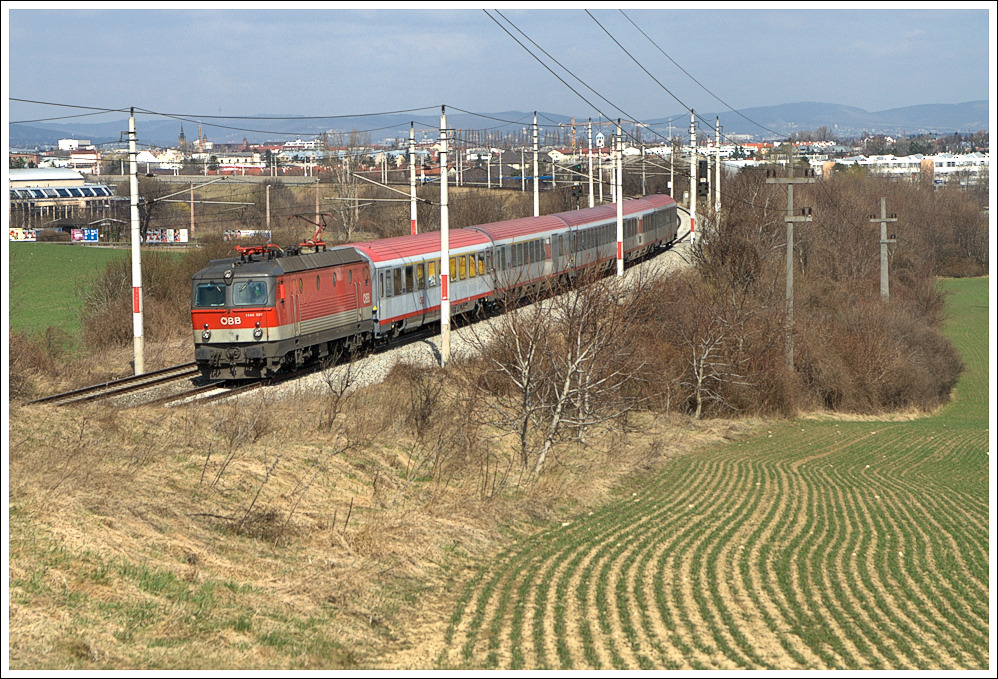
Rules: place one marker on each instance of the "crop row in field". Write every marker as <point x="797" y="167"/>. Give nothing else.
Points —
<point x="859" y="545"/>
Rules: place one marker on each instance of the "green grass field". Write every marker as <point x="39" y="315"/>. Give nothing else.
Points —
<point x="822" y="544"/>
<point x="44" y="279"/>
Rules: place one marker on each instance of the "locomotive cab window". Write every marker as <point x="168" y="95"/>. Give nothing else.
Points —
<point x="250" y="292"/>
<point x="208" y="295"/>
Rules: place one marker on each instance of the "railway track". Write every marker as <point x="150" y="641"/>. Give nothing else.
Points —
<point x="123" y="386"/>
<point x="216" y="390"/>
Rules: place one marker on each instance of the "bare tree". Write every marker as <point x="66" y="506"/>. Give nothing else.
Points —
<point x="560" y="368"/>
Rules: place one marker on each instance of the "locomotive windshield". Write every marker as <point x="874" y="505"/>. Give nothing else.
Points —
<point x="209" y="294"/>
<point x="252" y="292"/>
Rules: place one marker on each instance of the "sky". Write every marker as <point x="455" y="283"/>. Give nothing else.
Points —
<point x="353" y="59"/>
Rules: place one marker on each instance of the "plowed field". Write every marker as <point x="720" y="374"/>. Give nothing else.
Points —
<point x="821" y="544"/>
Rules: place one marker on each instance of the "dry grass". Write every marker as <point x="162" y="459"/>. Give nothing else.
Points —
<point x="266" y="534"/>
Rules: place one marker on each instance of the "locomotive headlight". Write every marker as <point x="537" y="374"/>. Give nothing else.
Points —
<point x="258" y="331"/>
<point x="227" y="275"/>
<point x="206" y="333"/>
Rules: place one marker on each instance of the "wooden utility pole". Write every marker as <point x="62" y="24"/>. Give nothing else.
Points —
<point x="791" y="219"/>
<point x="885" y="292"/>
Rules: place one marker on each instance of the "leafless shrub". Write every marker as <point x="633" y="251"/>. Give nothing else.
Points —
<point x="561" y="369"/>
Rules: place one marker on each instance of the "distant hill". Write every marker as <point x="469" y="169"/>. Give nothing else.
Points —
<point x="765" y="122"/>
<point x="849" y="121"/>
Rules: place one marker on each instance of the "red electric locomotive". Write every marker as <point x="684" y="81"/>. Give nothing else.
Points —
<point x="261" y="312"/>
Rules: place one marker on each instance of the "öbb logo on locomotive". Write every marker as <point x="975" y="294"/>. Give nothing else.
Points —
<point x="309" y="301"/>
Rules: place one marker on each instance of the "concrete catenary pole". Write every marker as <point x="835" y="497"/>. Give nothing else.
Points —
<point x="268" y="207"/>
<point x="412" y="177"/>
<point x="791" y="219"/>
<point x="672" y="164"/>
<point x="693" y="178"/>
<point x="444" y="246"/>
<point x="537" y="179"/>
<point x="133" y="185"/>
<point x="192" y="212"/>
<point x="523" y="172"/>
<point x="717" y="174"/>
<point x="592" y="196"/>
<point x="600" y="168"/>
<point x="613" y="171"/>
<point x="885" y="290"/>
<point x="644" y="182"/>
<point x="619" y="174"/>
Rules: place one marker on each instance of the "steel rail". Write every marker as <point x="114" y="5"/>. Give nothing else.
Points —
<point x="121" y="386"/>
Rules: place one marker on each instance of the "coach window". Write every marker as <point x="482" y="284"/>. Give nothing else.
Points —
<point x="381" y="284"/>
<point x="431" y="273"/>
<point x="397" y="281"/>
<point x="420" y="276"/>
<point x="453" y="268"/>
<point x="410" y="283"/>
<point x="462" y="263"/>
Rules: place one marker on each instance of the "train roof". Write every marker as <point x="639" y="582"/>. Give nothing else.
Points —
<point x="530" y="226"/>
<point x="261" y="266"/>
<point x="603" y="213"/>
<point x="519" y="228"/>
<point x="422" y="244"/>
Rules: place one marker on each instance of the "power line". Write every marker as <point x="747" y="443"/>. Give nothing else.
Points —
<point x="702" y="86"/>
<point x="567" y="70"/>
